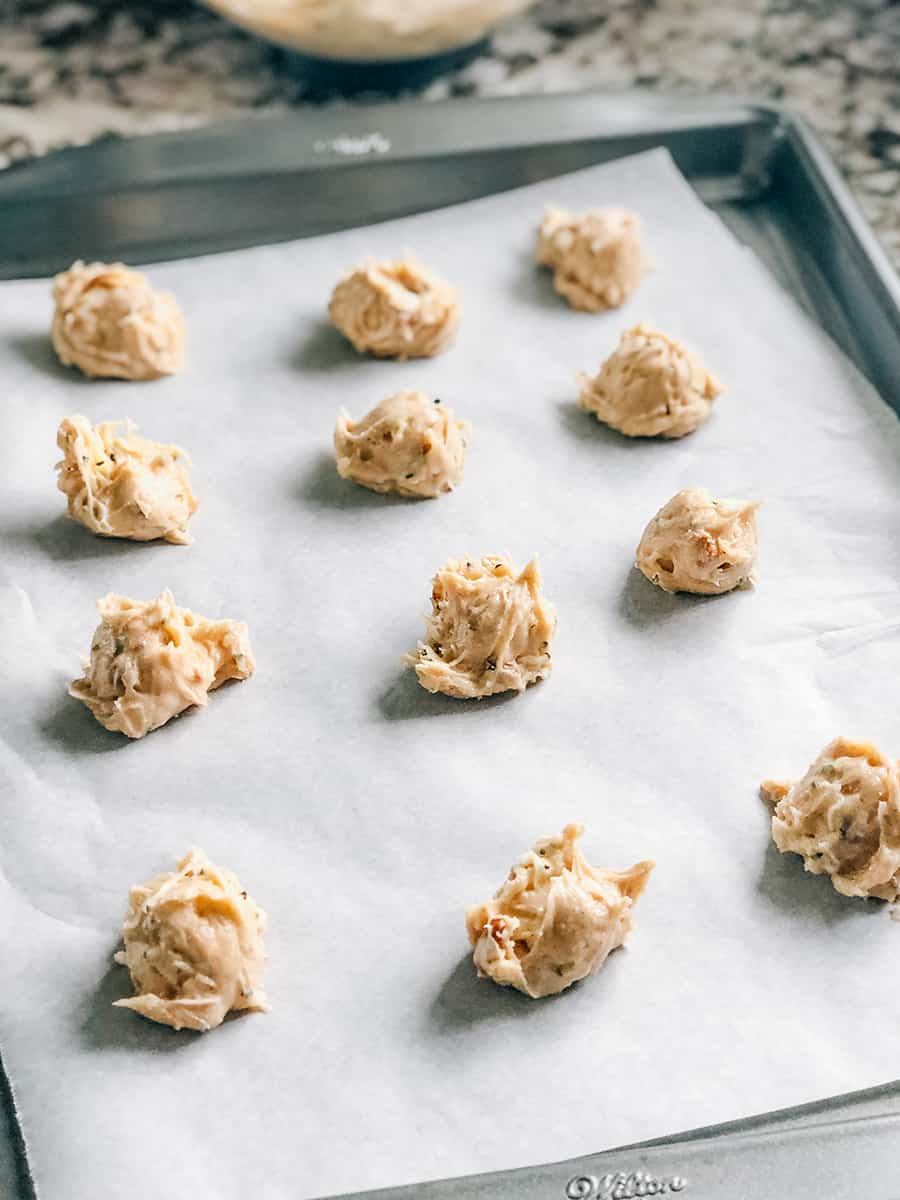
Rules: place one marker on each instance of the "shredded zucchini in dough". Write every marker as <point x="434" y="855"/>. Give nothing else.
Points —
<point x="597" y="258"/>
<point x="395" y="310"/>
<point x="193" y="946"/>
<point x="556" y="919"/>
<point x="108" y="321"/>
<point x="151" y="660"/>
<point x="650" y="386"/>
<point x="118" y="484"/>
<point x="698" y="544"/>
<point x="843" y="819"/>
<point x="489" y="630"/>
<point x="407" y="444"/>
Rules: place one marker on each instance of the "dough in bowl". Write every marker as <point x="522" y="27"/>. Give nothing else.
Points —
<point x="151" y="660"/>
<point x="395" y="310"/>
<point x="843" y="819"/>
<point x="555" y="920"/>
<point x="118" y="484"/>
<point x="489" y="630"/>
<point x="108" y="321"/>
<point x="698" y="544"/>
<point x="193" y="946"/>
<point x="407" y="444"/>
<point x="371" y="29"/>
<point x="597" y="258"/>
<point x="650" y="386"/>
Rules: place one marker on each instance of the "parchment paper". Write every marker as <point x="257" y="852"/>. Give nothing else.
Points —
<point x="364" y="814"/>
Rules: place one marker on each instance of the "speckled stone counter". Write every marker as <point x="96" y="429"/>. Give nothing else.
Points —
<point x="74" y="70"/>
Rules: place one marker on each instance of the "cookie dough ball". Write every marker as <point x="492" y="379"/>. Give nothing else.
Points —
<point x="151" y="660"/>
<point x="395" y="310"/>
<point x="406" y="444"/>
<point x="555" y="920"/>
<point x="597" y="258"/>
<point x="697" y="544"/>
<point x="118" y="484"/>
<point x="109" y="322"/>
<point x="843" y="818"/>
<point x="193" y="946"/>
<point x="489" y="630"/>
<point x="650" y="386"/>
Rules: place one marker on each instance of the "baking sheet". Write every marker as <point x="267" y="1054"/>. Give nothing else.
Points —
<point x="364" y="814"/>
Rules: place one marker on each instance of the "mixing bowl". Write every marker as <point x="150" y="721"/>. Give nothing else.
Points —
<point x="370" y="31"/>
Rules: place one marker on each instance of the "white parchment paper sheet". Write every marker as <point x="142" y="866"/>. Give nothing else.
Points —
<point x="364" y="814"/>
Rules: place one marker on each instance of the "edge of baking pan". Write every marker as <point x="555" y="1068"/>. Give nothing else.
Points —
<point x="816" y="200"/>
<point x="347" y="137"/>
<point x="848" y="1153"/>
<point x="15" y="1169"/>
<point x="273" y="179"/>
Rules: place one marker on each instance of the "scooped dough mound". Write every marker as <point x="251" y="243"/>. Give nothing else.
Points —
<point x="650" y="386"/>
<point x="151" y="660"/>
<point x="194" y="947"/>
<point x="489" y="630"/>
<point x="121" y="485"/>
<point x="407" y="444"/>
<point x="395" y="310"/>
<point x="843" y="818"/>
<point x="110" y="322"/>
<point x="597" y="258"/>
<point x="698" y="544"/>
<point x="555" y="920"/>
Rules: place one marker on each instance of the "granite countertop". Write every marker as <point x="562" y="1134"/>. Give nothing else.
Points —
<point x="75" y="70"/>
